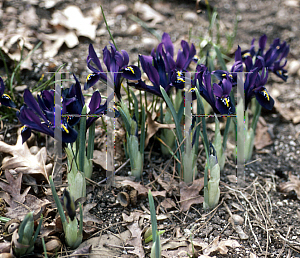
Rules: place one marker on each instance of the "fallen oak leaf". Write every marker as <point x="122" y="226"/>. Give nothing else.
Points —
<point x="23" y="161"/>
<point x="72" y="18"/>
<point x="190" y="195"/>
<point x="14" y="189"/>
<point x="154" y="126"/>
<point x="220" y="246"/>
<point x="20" y="204"/>
<point x="292" y="185"/>
<point x="142" y="190"/>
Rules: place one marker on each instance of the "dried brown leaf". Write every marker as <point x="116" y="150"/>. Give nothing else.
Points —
<point x="99" y="157"/>
<point x="23" y="161"/>
<point x="168" y="203"/>
<point x="81" y="251"/>
<point x="53" y="42"/>
<point x="136" y="239"/>
<point x="142" y="190"/>
<point x="148" y="14"/>
<point x="262" y="136"/>
<point x="154" y="126"/>
<point x="292" y="185"/>
<point x="14" y="189"/>
<point x="87" y="216"/>
<point x="220" y="246"/>
<point x="190" y="195"/>
<point x="72" y="18"/>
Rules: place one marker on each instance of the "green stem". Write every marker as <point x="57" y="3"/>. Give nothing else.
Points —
<point x="225" y="135"/>
<point x="82" y="135"/>
<point x="107" y="27"/>
<point x="256" y="115"/>
<point x="90" y="147"/>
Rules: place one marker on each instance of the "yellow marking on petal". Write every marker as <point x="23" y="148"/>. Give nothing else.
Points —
<point x="192" y="89"/>
<point x="195" y="56"/>
<point x="23" y="128"/>
<point x="224" y="74"/>
<point x="65" y="128"/>
<point x="266" y="94"/>
<point x="7" y="96"/>
<point x="182" y="80"/>
<point x="227" y="102"/>
<point x="280" y="72"/>
<point x="130" y="68"/>
<point x="277" y="47"/>
<point x="89" y="77"/>
<point x="246" y="54"/>
<point x="230" y="75"/>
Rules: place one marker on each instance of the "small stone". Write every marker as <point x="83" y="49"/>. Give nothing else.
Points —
<point x="292" y="3"/>
<point x="280" y="203"/>
<point x="294" y="67"/>
<point x="190" y="17"/>
<point x="20" y="88"/>
<point x="135" y="30"/>
<point x="149" y="43"/>
<point x="252" y="174"/>
<point x="237" y="219"/>
<point x="292" y="143"/>
<point x="120" y="9"/>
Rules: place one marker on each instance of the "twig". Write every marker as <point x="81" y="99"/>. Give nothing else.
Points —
<point x="283" y="247"/>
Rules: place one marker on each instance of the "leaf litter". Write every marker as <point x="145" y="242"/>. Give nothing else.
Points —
<point x="23" y="161"/>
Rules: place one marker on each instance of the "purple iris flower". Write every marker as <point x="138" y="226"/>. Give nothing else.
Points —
<point x="218" y="95"/>
<point x="157" y="70"/>
<point x="255" y="87"/>
<point x="184" y="57"/>
<point x="5" y="99"/>
<point x="232" y="75"/>
<point x="274" y="57"/>
<point x="96" y="108"/>
<point x="40" y="116"/>
<point x="116" y="63"/>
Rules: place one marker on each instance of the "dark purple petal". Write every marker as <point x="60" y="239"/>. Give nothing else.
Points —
<point x="227" y="86"/>
<point x="126" y="58"/>
<point x="2" y="87"/>
<point x="218" y="91"/>
<point x="31" y="102"/>
<point x="93" y="56"/>
<point x="238" y="54"/>
<point x="25" y="133"/>
<point x="106" y="58"/>
<point x="166" y="40"/>
<point x="91" y="80"/>
<point x="95" y="102"/>
<point x="181" y="59"/>
<point x="131" y="72"/>
<point x="262" y="42"/>
<point x="119" y="61"/>
<point x="225" y="106"/>
<point x="264" y="99"/>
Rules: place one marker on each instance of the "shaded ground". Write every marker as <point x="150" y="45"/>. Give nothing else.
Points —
<point x="268" y="219"/>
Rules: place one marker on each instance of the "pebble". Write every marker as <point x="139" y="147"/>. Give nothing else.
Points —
<point x="120" y="9"/>
<point x="20" y="88"/>
<point x="280" y="203"/>
<point x="237" y="219"/>
<point x="135" y="30"/>
<point x="190" y="17"/>
<point x="149" y="43"/>
<point x="292" y="143"/>
<point x="294" y="67"/>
